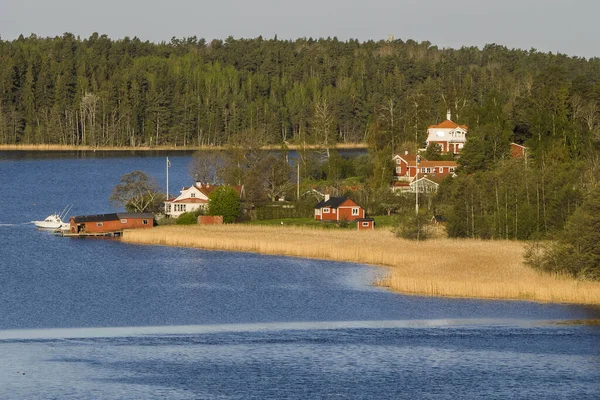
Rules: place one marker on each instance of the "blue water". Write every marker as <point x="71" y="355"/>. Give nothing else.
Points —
<point x="84" y="318"/>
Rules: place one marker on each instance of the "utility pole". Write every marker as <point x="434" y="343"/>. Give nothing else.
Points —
<point x="417" y="161"/>
<point x="298" y="183"/>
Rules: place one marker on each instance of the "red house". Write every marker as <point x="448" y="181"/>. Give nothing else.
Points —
<point x="406" y="167"/>
<point x="338" y="209"/>
<point x="105" y="223"/>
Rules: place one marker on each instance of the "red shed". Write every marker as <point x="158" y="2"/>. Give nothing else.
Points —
<point x="338" y="209"/>
<point x="115" y="222"/>
<point x="365" y="224"/>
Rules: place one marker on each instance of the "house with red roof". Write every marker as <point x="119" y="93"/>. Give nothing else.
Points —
<point x="406" y="167"/>
<point x="192" y="198"/>
<point x="448" y="134"/>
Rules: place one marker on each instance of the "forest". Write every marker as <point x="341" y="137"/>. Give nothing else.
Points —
<point x="247" y="93"/>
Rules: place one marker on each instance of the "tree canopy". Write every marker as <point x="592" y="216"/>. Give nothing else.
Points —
<point x="225" y="201"/>
<point x="138" y="192"/>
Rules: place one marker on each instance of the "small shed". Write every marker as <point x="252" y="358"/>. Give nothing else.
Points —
<point x="115" y="222"/>
<point x="365" y="223"/>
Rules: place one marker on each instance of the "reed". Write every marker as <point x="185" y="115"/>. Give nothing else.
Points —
<point x="438" y="267"/>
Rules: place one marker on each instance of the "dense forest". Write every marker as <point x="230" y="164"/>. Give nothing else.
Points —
<point x="103" y="92"/>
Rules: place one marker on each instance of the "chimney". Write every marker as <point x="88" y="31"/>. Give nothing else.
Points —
<point x="449" y="115"/>
<point x="327" y="197"/>
<point x="405" y="152"/>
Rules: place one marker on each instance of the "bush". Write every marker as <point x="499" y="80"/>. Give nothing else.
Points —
<point x="413" y="228"/>
<point x="225" y="201"/>
<point x="187" y="218"/>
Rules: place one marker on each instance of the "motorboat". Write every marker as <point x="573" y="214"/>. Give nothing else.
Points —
<point x="54" y="221"/>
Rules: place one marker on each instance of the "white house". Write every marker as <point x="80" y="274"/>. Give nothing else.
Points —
<point x="448" y="134"/>
<point x="191" y="199"/>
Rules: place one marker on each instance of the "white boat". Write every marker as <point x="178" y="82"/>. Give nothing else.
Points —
<point x="54" y="221"/>
<point x="51" y="222"/>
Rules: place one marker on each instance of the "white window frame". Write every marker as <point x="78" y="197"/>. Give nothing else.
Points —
<point x="355" y="211"/>
<point x="365" y="224"/>
<point x="192" y="194"/>
<point x="123" y="220"/>
<point x="326" y="210"/>
<point x="145" y="221"/>
<point x="99" y="224"/>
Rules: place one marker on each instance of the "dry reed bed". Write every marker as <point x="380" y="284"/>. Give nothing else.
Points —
<point x="439" y="267"/>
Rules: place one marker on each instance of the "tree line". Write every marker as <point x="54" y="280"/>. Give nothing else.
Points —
<point x="102" y="92"/>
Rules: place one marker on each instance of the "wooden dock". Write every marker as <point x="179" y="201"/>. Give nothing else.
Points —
<point x="93" y="234"/>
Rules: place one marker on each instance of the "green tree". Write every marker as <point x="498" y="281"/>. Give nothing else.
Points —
<point x="577" y="250"/>
<point x="225" y="201"/>
<point x="138" y="192"/>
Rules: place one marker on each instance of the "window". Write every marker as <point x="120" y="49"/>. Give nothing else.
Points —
<point x="99" y="224"/>
<point x="123" y="221"/>
<point x="365" y="224"/>
<point x="398" y="161"/>
<point x="398" y="170"/>
<point x="326" y="211"/>
<point x="317" y="211"/>
<point x="334" y="210"/>
<point x="145" y="221"/>
<point x="451" y="169"/>
<point x="193" y="195"/>
<point x="354" y="210"/>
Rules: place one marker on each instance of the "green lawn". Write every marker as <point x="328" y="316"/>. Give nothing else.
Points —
<point x="380" y="222"/>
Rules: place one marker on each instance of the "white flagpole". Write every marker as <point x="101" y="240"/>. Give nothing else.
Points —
<point x="168" y="164"/>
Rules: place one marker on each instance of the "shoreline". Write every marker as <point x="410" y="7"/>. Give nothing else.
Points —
<point x="487" y="270"/>
<point x="61" y="147"/>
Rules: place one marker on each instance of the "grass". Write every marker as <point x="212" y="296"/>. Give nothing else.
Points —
<point x="438" y="267"/>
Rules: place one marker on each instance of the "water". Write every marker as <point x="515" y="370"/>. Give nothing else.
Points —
<point x="84" y="318"/>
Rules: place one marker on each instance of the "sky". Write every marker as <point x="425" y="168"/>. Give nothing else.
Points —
<point x="568" y="27"/>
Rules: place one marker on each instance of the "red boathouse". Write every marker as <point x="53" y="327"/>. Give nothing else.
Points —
<point x="105" y="223"/>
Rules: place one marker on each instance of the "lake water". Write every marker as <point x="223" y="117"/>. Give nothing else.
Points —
<point x="96" y="318"/>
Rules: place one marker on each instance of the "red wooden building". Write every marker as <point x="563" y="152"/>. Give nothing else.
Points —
<point x="365" y="224"/>
<point x="338" y="209"/>
<point x="517" y="150"/>
<point x="115" y="222"/>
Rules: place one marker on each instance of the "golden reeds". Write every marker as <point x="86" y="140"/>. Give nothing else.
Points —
<point x="438" y="267"/>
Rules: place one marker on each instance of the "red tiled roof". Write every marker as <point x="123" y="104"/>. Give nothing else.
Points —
<point x="447" y="124"/>
<point x="191" y="200"/>
<point x="432" y="164"/>
<point x="409" y="158"/>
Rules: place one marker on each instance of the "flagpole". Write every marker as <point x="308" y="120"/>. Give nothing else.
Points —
<point x="168" y="178"/>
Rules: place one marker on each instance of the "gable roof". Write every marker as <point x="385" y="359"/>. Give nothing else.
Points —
<point x="409" y="158"/>
<point x="333" y="202"/>
<point x="432" y="164"/>
<point x="447" y="124"/>
<point x="111" y="217"/>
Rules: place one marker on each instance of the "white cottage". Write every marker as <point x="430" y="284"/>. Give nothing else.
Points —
<point x="191" y="199"/>
<point x="448" y="134"/>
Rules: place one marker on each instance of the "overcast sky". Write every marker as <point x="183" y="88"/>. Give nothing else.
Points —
<point x="568" y="27"/>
